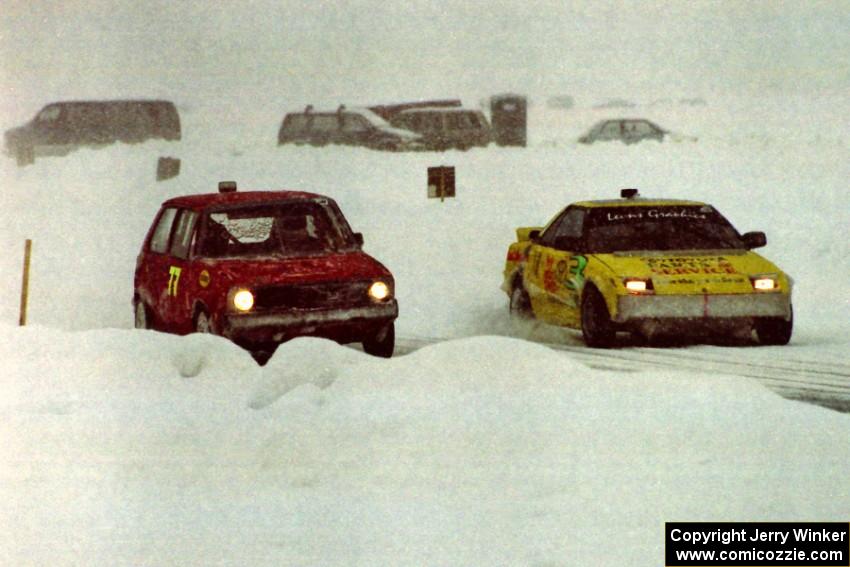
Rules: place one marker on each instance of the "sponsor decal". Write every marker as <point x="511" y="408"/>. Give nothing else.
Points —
<point x="569" y="275"/>
<point x="204" y="278"/>
<point x="561" y="269"/>
<point x="173" y="280"/>
<point x="695" y="281"/>
<point x="550" y="284"/>
<point x="689" y="265"/>
<point x="577" y="265"/>
<point x="515" y="256"/>
<point x="655" y="214"/>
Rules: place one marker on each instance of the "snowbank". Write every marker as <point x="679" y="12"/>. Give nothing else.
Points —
<point x="479" y="451"/>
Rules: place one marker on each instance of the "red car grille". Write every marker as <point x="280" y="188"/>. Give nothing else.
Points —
<point x="313" y="296"/>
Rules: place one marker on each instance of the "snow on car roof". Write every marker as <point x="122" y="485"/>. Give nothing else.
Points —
<point x="438" y="109"/>
<point x="205" y="200"/>
<point x="373" y="118"/>
<point x="363" y="111"/>
<point x="376" y="120"/>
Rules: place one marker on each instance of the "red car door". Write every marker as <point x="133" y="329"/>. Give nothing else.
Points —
<point x="181" y="283"/>
<point x="152" y="270"/>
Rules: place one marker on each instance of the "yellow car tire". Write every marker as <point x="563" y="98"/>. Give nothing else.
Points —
<point x="596" y="326"/>
<point x="774" y="331"/>
<point x="520" y="303"/>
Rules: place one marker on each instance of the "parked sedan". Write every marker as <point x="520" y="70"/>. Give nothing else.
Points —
<point x="630" y="131"/>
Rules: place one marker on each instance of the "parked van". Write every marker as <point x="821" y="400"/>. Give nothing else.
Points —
<point x="445" y="127"/>
<point x="62" y="127"/>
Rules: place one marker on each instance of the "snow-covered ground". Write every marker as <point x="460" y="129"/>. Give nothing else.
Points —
<point x="125" y="447"/>
<point x="135" y="448"/>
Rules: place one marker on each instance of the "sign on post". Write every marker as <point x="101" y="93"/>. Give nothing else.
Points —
<point x="441" y="182"/>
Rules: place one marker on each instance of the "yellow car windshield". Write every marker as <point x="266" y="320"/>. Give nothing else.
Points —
<point x="615" y="229"/>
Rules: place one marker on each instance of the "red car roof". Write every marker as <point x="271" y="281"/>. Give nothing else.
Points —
<point x="198" y="202"/>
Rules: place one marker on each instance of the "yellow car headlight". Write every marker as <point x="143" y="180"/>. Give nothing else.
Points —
<point x="638" y="285"/>
<point x="764" y="283"/>
<point x="379" y="291"/>
<point x="243" y="300"/>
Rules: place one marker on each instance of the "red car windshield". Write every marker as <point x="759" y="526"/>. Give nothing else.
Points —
<point x="289" y="229"/>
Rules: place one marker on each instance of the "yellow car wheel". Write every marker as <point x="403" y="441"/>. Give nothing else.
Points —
<point x="596" y="326"/>
<point x="771" y="331"/>
<point x="520" y="305"/>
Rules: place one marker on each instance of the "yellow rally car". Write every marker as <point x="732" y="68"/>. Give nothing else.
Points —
<point x="647" y="266"/>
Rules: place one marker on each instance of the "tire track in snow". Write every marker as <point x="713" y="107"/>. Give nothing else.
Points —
<point x="825" y="383"/>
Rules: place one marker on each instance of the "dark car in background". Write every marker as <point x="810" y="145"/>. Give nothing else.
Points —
<point x="62" y="127"/>
<point x="350" y="127"/>
<point x="262" y="267"/>
<point x="629" y="131"/>
<point x="445" y="127"/>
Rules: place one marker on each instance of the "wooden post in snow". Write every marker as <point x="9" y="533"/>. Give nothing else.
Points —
<point x="25" y="284"/>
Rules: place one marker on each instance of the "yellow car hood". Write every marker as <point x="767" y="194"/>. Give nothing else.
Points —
<point x="698" y="272"/>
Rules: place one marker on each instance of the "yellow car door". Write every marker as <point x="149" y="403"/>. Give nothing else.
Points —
<point x="554" y="270"/>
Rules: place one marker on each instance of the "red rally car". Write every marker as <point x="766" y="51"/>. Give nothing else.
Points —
<point x="261" y="267"/>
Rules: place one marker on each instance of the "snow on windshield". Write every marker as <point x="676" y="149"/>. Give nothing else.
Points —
<point x="300" y="229"/>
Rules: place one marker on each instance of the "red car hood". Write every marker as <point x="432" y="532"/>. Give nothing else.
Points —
<point x="265" y="271"/>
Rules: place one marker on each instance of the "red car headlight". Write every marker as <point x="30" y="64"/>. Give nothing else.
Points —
<point x="379" y="291"/>
<point x="241" y="299"/>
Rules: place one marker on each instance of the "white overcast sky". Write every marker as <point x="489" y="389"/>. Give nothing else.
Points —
<point x="378" y="50"/>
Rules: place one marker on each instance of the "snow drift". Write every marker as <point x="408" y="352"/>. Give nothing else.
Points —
<point x="473" y="452"/>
